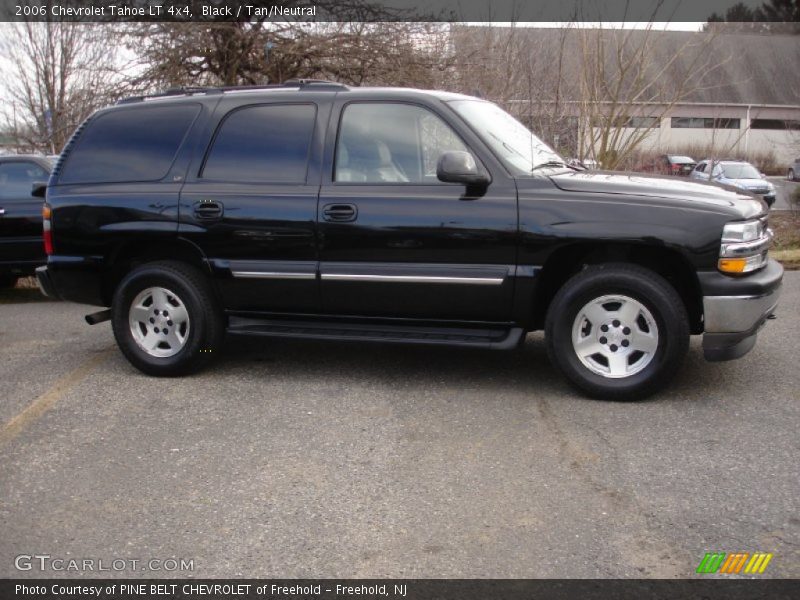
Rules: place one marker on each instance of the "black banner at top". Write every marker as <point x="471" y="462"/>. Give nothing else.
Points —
<point x="518" y="11"/>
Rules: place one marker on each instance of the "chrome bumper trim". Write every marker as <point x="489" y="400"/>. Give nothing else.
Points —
<point x="734" y="314"/>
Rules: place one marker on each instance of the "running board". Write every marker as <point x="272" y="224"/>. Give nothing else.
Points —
<point x="496" y="339"/>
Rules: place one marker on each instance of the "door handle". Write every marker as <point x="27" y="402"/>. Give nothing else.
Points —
<point x="207" y="210"/>
<point x="340" y="213"/>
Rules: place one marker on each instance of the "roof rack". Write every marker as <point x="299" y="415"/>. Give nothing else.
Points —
<point x="317" y="84"/>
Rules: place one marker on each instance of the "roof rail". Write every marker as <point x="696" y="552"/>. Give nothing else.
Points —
<point x="190" y="90"/>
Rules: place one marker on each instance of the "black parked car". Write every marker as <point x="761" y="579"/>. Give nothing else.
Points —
<point x="313" y="210"/>
<point x="21" y="249"/>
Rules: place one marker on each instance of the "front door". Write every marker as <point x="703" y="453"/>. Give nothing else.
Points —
<point x="397" y="242"/>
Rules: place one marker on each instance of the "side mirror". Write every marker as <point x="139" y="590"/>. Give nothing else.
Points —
<point x="38" y="189"/>
<point x="460" y="167"/>
<point x="763" y="176"/>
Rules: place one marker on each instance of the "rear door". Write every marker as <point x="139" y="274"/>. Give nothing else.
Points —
<point x="21" y="213"/>
<point x="250" y="202"/>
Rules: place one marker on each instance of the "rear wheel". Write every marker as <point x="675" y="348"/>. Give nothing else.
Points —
<point x="166" y="320"/>
<point x="617" y="331"/>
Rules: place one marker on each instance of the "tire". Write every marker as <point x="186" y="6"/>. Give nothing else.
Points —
<point x="790" y="175"/>
<point x="8" y="280"/>
<point x="163" y="346"/>
<point x="632" y="316"/>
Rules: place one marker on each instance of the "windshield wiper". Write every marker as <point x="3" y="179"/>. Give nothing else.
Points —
<point x="552" y="163"/>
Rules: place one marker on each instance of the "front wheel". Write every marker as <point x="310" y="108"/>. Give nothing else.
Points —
<point x="165" y="319"/>
<point x="617" y="331"/>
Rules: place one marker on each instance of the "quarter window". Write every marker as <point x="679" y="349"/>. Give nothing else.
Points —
<point x="391" y="143"/>
<point x="129" y="144"/>
<point x="265" y="143"/>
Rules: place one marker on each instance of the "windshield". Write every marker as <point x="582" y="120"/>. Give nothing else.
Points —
<point x="516" y="146"/>
<point x="742" y="171"/>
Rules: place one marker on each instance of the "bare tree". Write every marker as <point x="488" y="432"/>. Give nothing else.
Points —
<point x="255" y="52"/>
<point x="57" y="74"/>
<point x="626" y="87"/>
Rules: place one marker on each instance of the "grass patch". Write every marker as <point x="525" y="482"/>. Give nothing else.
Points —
<point x="786" y="246"/>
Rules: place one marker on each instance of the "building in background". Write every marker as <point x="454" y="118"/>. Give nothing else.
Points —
<point x="597" y="91"/>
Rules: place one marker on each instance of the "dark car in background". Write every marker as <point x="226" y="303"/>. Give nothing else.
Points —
<point x="670" y="164"/>
<point x="793" y="174"/>
<point x="21" y="248"/>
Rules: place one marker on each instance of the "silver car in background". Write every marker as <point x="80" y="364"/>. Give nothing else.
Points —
<point x="736" y="173"/>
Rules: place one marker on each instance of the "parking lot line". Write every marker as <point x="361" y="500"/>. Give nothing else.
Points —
<point x="47" y="400"/>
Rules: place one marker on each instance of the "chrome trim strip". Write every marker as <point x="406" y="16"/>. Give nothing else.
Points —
<point x="414" y="278"/>
<point x="272" y="275"/>
<point x="741" y="249"/>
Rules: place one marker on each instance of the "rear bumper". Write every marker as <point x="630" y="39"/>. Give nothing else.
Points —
<point x="76" y="279"/>
<point x="46" y="284"/>
<point x="731" y="320"/>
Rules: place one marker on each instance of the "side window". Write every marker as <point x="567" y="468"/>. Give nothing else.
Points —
<point x="129" y="145"/>
<point x="391" y="143"/>
<point x="17" y="178"/>
<point x="701" y="167"/>
<point x="267" y="143"/>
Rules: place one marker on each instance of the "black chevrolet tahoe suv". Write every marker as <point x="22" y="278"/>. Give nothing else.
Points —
<point x="314" y="210"/>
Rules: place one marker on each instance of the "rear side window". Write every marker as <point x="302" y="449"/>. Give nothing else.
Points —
<point x="129" y="145"/>
<point x="266" y="144"/>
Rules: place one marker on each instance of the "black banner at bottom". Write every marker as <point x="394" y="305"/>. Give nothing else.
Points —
<point x="398" y="589"/>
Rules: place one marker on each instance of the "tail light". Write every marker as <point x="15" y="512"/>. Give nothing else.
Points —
<point x="47" y="229"/>
<point x="675" y="167"/>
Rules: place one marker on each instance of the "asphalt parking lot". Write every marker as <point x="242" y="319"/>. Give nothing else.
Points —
<point x="294" y="459"/>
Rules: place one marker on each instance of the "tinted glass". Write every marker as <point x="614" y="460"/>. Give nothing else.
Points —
<point x="130" y="144"/>
<point x="391" y="143"/>
<point x="704" y="123"/>
<point x="17" y="179"/>
<point x="268" y="143"/>
<point x="740" y="171"/>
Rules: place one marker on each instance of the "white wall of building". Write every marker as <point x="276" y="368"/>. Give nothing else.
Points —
<point x="744" y="140"/>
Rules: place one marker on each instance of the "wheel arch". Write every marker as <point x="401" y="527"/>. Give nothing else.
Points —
<point x="670" y="263"/>
<point x="131" y="254"/>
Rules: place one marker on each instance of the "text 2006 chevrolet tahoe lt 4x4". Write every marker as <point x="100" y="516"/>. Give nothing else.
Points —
<point x="314" y="210"/>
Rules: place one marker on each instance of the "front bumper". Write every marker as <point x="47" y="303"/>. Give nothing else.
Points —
<point x="734" y="309"/>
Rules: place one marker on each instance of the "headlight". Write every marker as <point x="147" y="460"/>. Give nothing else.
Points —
<point x="744" y="247"/>
<point x="745" y="231"/>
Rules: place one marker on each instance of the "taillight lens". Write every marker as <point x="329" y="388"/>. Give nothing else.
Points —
<point x="47" y="233"/>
